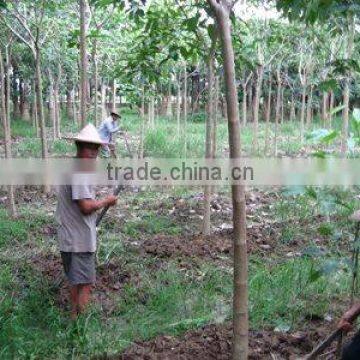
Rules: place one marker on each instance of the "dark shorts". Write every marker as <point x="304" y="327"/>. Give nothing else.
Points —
<point x="79" y="267"/>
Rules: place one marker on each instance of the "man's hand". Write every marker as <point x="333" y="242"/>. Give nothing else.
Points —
<point x="88" y="206"/>
<point x="111" y="200"/>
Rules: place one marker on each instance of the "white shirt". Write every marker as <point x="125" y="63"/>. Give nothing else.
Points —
<point x="107" y="128"/>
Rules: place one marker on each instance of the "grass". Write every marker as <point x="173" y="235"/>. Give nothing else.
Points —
<point x="151" y="225"/>
<point x="165" y="301"/>
<point x="11" y="231"/>
<point x="26" y="227"/>
<point x="21" y="128"/>
<point x="300" y="296"/>
<point x="165" y="142"/>
<point x="161" y="298"/>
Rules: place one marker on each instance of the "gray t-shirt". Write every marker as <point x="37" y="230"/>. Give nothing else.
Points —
<point x="76" y="231"/>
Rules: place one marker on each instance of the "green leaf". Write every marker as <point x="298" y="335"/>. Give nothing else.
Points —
<point x="330" y="137"/>
<point x="319" y="154"/>
<point x="322" y="136"/>
<point x="192" y="23"/>
<point x="337" y="109"/>
<point x="184" y="52"/>
<point x="211" y="31"/>
<point x="310" y="191"/>
<point x="315" y="274"/>
<point x="327" y="85"/>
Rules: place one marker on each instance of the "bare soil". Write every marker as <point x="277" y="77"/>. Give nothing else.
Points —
<point x="214" y="342"/>
<point x="110" y="280"/>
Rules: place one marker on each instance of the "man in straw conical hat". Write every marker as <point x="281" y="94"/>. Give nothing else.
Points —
<point x="76" y="216"/>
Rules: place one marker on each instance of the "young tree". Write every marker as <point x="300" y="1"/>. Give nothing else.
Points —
<point x="221" y="11"/>
<point x="348" y="77"/>
<point x="209" y="127"/>
<point x="84" y="25"/>
<point x="28" y="25"/>
<point x="4" y="94"/>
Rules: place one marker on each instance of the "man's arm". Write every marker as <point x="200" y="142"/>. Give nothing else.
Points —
<point x="114" y="129"/>
<point x="89" y="206"/>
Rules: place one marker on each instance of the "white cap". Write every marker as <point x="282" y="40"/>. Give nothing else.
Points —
<point x="88" y="134"/>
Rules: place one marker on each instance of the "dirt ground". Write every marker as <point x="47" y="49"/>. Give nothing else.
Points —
<point x="262" y="240"/>
<point x="110" y="279"/>
<point x="214" y="342"/>
<point x="211" y="341"/>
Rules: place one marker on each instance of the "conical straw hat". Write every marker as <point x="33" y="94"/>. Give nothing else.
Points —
<point x="88" y="134"/>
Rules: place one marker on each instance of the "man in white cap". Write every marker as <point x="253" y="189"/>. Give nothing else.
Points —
<point x="76" y="216"/>
<point x="106" y="129"/>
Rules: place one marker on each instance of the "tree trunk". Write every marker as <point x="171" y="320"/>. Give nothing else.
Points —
<point x="52" y="105"/>
<point x="113" y="101"/>
<point x="309" y="108"/>
<point x="84" y="63"/>
<point x="185" y="110"/>
<point x="278" y="108"/>
<point x="69" y="108"/>
<point x="324" y="110"/>
<point x="96" y="82"/>
<point x="8" y="86"/>
<point x="21" y="98"/>
<point x="169" y="102"/>
<point x="244" y="104"/>
<point x="250" y="107"/>
<point x="216" y="112"/>
<point x="39" y="101"/>
<point x="26" y="105"/>
<point x="75" y="107"/>
<point x="292" y="108"/>
<point x="4" y="112"/>
<point x="303" y="106"/>
<point x="103" y="101"/>
<point x="6" y="124"/>
<point x="346" y="91"/>
<point x="268" y="114"/>
<point x="331" y="107"/>
<point x="35" y="110"/>
<point x="57" y="104"/>
<point x="178" y="107"/>
<point x="152" y="111"/>
<point x="259" y="80"/>
<point x="208" y="134"/>
<point x="15" y="99"/>
<point x="240" y="300"/>
<point x="142" y="130"/>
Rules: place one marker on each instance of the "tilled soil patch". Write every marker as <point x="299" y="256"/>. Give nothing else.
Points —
<point x="260" y="240"/>
<point x="198" y="245"/>
<point x="214" y="342"/>
<point x="110" y="279"/>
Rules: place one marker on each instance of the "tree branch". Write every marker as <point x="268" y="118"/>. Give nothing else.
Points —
<point x="18" y="16"/>
<point x="214" y="4"/>
<point x="21" y="38"/>
<point x="49" y="28"/>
